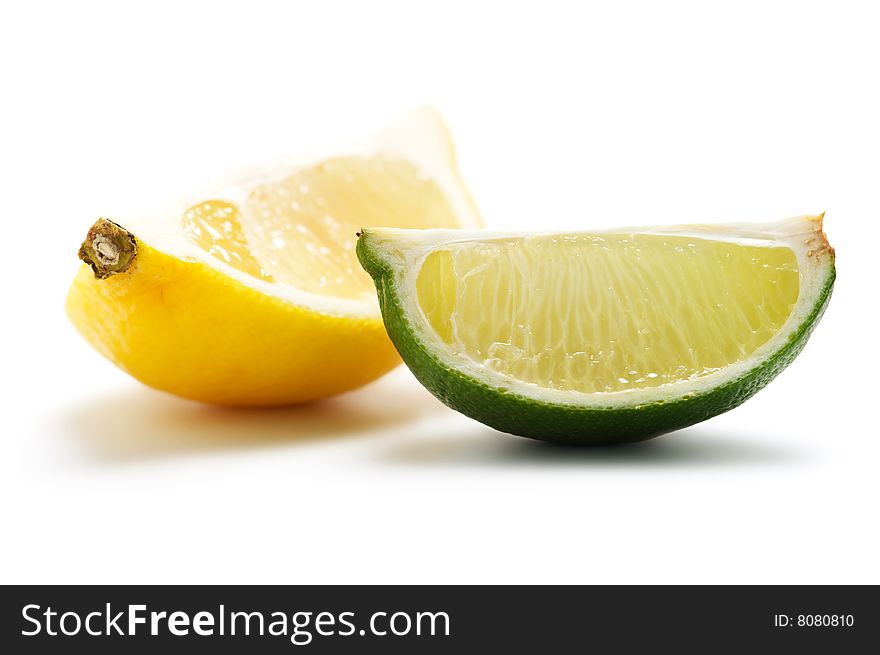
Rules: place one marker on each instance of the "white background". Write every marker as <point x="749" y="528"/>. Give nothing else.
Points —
<point x="566" y="115"/>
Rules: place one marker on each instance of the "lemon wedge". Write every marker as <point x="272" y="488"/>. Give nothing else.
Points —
<point x="251" y="294"/>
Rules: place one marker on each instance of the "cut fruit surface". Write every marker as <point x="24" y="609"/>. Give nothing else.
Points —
<point x="250" y="293"/>
<point x="300" y="230"/>
<point x="596" y="313"/>
<point x="599" y="337"/>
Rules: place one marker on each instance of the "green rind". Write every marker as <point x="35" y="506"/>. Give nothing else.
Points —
<point x="517" y="414"/>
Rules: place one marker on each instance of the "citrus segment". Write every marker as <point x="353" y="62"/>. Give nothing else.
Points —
<point x="300" y="231"/>
<point x="216" y="227"/>
<point x="603" y="337"/>
<point x="605" y="313"/>
<point x="250" y="294"/>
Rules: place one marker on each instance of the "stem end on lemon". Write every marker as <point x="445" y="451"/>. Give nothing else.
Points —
<point x="109" y="249"/>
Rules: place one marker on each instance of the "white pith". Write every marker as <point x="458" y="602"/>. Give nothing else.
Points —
<point x="404" y="252"/>
<point x="420" y="138"/>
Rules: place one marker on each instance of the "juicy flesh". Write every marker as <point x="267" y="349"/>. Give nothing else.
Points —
<point x="606" y="313"/>
<point x="301" y="231"/>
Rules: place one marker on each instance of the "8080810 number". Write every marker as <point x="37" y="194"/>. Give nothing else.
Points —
<point x="825" y="620"/>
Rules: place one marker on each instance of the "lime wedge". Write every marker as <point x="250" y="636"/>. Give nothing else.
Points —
<point x="600" y="337"/>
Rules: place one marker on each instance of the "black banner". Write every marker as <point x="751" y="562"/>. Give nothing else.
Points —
<point x="541" y="619"/>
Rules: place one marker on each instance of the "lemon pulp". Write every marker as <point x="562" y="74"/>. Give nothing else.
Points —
<point x="610" y="312"/>
<point x="301" y="231"/>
